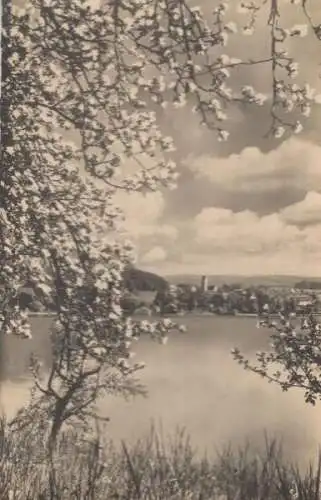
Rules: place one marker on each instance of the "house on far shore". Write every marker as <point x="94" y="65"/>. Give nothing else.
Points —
<point x="303" y="301"/>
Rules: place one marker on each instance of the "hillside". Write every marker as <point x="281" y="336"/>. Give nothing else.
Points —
<point x="309" y="283"/>
<point x="137" y="280"/>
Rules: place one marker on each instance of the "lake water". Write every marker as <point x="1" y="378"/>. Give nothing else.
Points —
<point x="194" y="383"/>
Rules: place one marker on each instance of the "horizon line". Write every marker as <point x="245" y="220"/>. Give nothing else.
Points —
<point x="249" y="275"/>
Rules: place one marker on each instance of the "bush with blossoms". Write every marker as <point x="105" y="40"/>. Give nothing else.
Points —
<point x="294" y="357"/>
<point x="81" y="83"/>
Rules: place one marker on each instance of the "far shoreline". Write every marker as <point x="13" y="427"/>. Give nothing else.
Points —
<point x="33" y="314"/>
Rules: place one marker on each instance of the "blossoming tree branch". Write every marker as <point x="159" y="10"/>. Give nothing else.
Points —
<point x="81" y="82"/>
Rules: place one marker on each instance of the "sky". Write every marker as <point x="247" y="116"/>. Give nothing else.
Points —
<point x="249" y="206"/>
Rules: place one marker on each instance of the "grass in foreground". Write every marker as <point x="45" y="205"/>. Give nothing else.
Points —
<point x="153" y="469"/>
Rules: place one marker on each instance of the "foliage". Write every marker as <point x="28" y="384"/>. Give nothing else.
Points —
<point x="153" y="468"/>
<point x="138" y="280"/>
<point x="78" y="82"/>
<point x="295" y="356"/>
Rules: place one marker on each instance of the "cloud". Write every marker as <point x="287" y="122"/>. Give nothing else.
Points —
<point x="305" y="212"/>
<point x="143" y="215"/>
<point x="236" y="239"/>
<point x="156" y="254"/>
<point x="294" y="165"/>
<point x="220" y="241"/>
<point x="289" y="262"/>
<point x="223" y="230"/>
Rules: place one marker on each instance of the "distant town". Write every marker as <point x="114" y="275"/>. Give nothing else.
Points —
<point x="146" y="293"/>
<point x="226" y="299"/>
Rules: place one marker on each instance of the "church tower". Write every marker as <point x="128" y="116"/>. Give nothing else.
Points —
<point x="204" y="283"/>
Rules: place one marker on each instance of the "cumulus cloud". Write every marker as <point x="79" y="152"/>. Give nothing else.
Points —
<point x="143" y="215"/>
<point x="294" y="165"/>
<point x="221" y="241"/>
<point x="229" y="240"/>
<point x="287" y="262"/>
<point x="156" y="254"/>
<point x="305" y="212"/>
<point x="223" y="230"/>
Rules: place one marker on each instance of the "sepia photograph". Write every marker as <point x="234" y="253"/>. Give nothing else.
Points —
<point x="160" y="250"/>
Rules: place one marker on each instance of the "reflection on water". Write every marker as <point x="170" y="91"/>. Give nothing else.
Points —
<point x="194" y="383"/>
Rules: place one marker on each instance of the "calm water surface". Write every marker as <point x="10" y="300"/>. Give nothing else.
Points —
<point x="192" y="382"/>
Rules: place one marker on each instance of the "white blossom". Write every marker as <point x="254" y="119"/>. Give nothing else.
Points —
<point x="279" y="132"/>
<point x="293" y="68"/>
<point x="300" y="30"/>
<point x="223" y="135"/>
<point x="231" y="27"/>
<point x="306" y="110"/>
<point x="298" y="127"/>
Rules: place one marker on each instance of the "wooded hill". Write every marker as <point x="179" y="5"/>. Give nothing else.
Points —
<point x="137" y="280"/>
